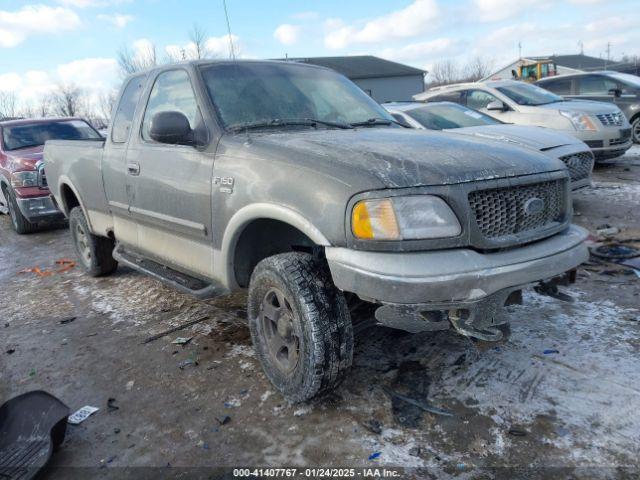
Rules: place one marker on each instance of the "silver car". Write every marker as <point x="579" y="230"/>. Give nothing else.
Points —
<point x="455" y="118"/>
<point x="603" y="127"/>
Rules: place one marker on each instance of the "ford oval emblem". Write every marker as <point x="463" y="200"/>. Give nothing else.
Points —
<point x="533" y="205"/>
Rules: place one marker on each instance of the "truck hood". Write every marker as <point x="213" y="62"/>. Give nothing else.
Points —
<point x="401" y="157"/>
<point x="582" y="106"/>
<point x="538" y="138"/>
<point x="25" y="159"/>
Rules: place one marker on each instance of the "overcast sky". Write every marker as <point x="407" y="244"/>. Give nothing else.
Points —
<point x="45" y="42"/>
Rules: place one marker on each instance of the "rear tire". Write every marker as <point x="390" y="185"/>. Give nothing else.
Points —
<point x="95" y="253"/>
<point x="300" y="325"/>
<point x="19" y="222"/>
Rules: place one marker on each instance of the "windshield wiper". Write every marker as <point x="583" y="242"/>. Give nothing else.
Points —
<point x="276" y="123"/>
<point x="376" y="121"/>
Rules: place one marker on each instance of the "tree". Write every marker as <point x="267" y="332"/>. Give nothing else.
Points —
<point x="131" y="62"/>
<point x="68" y="101"/>
<point x="106" y="103"/>
<point x="8" y="105"/>
<point x="477" y="68"/>
<point x="444" y="72"/>
<point x="198" y="38"/>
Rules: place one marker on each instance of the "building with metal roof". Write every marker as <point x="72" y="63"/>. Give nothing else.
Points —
<point x="382" y="79"/>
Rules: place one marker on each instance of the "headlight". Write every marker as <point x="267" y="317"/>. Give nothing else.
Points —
<point x="24" y="179"/>
<point x="580" y="121"/>
<point x="404" y="218"/>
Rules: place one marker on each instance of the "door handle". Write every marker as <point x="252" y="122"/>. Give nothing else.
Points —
<point x="133" y="169"/>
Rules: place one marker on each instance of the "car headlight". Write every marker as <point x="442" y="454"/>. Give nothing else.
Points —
<point x="580" y="121"/>
<point x="404" y="218"/>
<point x="24" y="179"/>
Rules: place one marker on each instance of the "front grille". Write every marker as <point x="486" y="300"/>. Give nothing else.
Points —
<point x="611" y="119"/>
<point x="579" y="165"/>
<point x="507" y="211"/>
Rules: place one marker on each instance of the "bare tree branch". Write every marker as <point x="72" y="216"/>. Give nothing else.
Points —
<point x="132" y="62"/>
<point x="8" y="105"/>
<point x="68" y="101"/>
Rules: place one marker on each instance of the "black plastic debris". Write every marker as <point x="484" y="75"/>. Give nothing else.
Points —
<point x="32" y="427"/>
<point x="373" y="425"/>
<point x="11" y="351"/>
<point x="615" y="251"/>
<point x="224" y="419"/>
<point x="111" y="405"/>
<point x="64" y="321"/>
<point x="517" y="432"/>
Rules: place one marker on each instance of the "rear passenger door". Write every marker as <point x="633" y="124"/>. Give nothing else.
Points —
<point x="117" y="184"/>
<point x="596" y="87"/>
<point x="172" y="194"/>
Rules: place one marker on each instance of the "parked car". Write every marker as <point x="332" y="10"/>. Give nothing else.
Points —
<point x="448" y="116"/>
<point x="24" y="192"/>
<point x="621" y="89"/>
<point x="603" y="127"/>
<point x="286" y="179"/>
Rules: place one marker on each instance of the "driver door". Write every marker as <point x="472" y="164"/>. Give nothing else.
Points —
<point x="172" y="183"/>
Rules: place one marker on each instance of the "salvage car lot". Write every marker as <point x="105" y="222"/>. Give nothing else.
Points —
<point x="559" y="392"/>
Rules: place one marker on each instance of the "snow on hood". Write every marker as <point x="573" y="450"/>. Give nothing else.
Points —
<point x="538" y="138"/>
<point x="405" y="158"/>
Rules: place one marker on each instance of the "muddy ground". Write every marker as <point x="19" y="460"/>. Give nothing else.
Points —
<point x="562" y="393"/>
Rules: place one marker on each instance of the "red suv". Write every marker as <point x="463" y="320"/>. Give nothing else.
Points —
<point x="24" y="194"/>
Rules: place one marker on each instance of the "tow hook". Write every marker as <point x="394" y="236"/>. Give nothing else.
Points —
<point x="550" y="287"/>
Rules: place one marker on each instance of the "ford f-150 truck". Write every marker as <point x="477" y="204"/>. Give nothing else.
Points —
<point x="289" y="181"/>
<point x="23" y="187"/>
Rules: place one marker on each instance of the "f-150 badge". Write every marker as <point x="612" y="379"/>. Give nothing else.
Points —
<point x="226" y="184"/>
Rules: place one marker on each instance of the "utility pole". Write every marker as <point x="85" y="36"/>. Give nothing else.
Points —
<point x="581" y="44"/>
<point x="519" y="50"/>
<point x="608" y="55"/>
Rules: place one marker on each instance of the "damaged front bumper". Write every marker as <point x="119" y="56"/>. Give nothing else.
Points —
<point x="470" y="286"/>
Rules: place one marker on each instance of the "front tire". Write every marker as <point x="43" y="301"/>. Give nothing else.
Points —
<point x="95" y="253"/>
<point x="635" y="130"/>
<point x="300" y="325"/>
<point x="19" y="222"/>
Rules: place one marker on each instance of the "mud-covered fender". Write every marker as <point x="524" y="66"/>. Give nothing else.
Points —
<point x="246" y="215"/>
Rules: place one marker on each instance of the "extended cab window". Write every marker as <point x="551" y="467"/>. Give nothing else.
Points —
<point x="559" y="86"/>
<point x="455" y="97"/>
<point x="478" y="99"/>
<point x="172" y="92"/>
<point x="595" y="85"/>
<point x="126" y="109"/>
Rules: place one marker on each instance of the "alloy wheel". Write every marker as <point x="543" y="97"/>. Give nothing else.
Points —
<point x="279" y="331"/>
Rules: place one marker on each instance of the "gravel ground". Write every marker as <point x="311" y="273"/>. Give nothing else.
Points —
<point x="561" y="395"/>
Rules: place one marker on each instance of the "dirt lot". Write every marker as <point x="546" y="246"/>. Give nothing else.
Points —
<point x="562" y="392"/>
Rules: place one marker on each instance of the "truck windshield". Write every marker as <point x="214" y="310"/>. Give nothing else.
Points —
<point x="16" y="137"/>
<point x="526" y="94"/>
<point x="449" y="115"/>
<point x="278" y="93"/>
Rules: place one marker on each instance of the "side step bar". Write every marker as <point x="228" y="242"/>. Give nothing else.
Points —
<point x="178" y="280"/>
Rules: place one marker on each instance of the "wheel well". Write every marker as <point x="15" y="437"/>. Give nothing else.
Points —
<point x="69" y="198"/>
<point x="635" y="117"/>
<point x="263" y="238"/>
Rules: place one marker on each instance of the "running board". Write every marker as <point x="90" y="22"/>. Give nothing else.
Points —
<point x="175" y="279"/>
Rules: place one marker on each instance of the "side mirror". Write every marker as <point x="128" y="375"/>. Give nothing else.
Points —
<point x="172" y="128"/>
<point x="401" y="120"/>
<point x="497" y="105"/>
<point x="616" y="92"/>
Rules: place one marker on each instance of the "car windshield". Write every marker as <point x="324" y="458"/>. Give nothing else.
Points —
<point x="629" y="80"/>
<point x="449" y="115"/>
<point x="526" y="94"/>
<point x="278" y="94"/>
<point x="20" y="136"/>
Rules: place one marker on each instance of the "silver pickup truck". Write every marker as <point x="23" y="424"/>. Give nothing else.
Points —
<point x="289" y="181"/>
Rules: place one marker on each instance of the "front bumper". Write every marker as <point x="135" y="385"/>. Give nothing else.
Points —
<point x="450" y="278"/>
<point x="37" y="209"/>
<point x="609" y="142"/>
